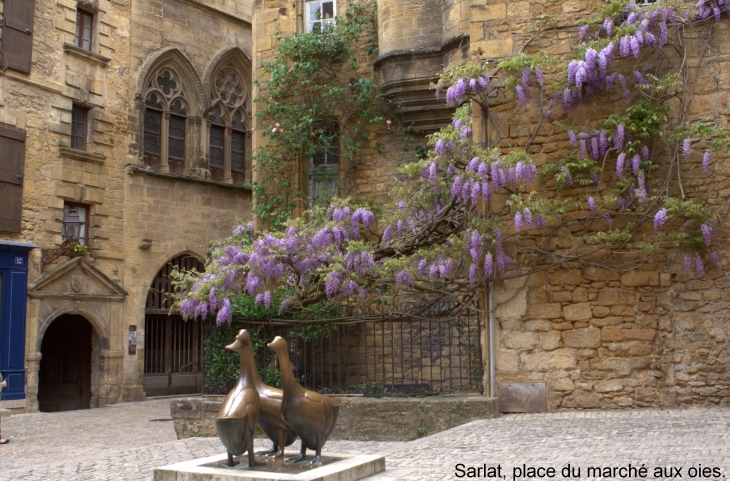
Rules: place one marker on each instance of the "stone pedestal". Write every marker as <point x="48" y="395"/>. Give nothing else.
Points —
<point x="335" y="467"/>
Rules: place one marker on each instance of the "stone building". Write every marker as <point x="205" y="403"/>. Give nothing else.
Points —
<point x="130" y="119"/>
<point x="134" y="119"/>
<point x="580" y="337"/>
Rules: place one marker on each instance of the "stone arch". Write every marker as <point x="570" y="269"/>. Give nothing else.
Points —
<point x="99" y="327"/>
<point x="174" y="58"/>
<point x="90" y="382"/>
<point x="235" y="58"/>
<point x="159" y="263"/>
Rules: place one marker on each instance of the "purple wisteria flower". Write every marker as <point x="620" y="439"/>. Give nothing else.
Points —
<point x="591" y="203"/>
<point x="644" y="152"/>
<point x="573" y="140"/>
<point x="609" y="221"/>
<point x="636" y="163"/>
<point x="699" y="266"/>
<point x="488" y="265"/>
<point x="527" y="216"/>
<point x="224" y="314"/>
<point x="706" y="160"/>
<point x="583" y="148"/>
<point x="521" y="96"/>
<point x="518" y="221"/>
<point x="715" y="259"/>
<point x="706" y="234"/>
<point x="620" y="161"/>
<point x="686" y="148"/>
<point x="660" y="219"/>
<point x="687" y="262"/>
<point x="608" y="25"/>
<point x="618" y="137"/>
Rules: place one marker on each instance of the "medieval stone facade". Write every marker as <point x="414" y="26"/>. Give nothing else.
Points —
<point x="595" y="338"/>
<point x="139" y="114"/>
<point x="91" y="70"/>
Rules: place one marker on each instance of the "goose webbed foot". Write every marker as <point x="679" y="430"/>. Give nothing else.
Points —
<point x="274" y="449"/>
<point x="316" y="461"/>
<point x="298" y="459"/>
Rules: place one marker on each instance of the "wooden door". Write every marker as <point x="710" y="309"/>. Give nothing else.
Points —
<point x="64" y="380"/>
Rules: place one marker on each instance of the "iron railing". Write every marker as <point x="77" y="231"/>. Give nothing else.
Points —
<point x="381" y="358"/>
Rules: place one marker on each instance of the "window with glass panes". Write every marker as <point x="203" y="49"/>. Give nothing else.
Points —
<point x="217" y="144"/>
<point x="84" y="28"/>
<point x="319" y="14"/>
<point x="78" y="127"/>
<point x="152" y="131"/>
<point x="176" y="131"/>
<point x="238" y="148"/>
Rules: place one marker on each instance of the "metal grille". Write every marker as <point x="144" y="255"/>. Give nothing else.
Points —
<point x="177" y="137"/>
<point x="171" y="345"/>
<point x="157" y="299"/>
<point x="378" y="358"/>
<point x="238" y="142"/>
<point x="216" y="145"/>
<point x="218" y="117"/>
<point x="177" y="108"/>
<point x="165" y="82"/>
<point x="154" y="344"/>
<point x="152" y="122"/>
<point x="153" y="102"/>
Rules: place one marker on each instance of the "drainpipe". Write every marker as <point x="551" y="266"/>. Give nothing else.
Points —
<point x="492" y="370"/>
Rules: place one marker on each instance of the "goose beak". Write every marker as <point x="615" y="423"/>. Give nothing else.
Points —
<point x="235" y="346"/>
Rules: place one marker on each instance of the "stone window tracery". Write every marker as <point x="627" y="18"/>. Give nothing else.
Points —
<point x="228" y="125"/>
<point x="165" y="122"/>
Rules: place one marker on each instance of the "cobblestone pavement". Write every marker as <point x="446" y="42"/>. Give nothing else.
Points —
<point x="120" y="443"/>
<point x="682" y="439"/>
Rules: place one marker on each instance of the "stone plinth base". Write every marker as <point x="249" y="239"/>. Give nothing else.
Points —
<point x="335" y="467"/>
<point x="361" y="418"/>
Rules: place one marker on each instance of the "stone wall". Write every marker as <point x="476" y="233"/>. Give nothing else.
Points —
<point x="360" y="418"/>
<point x="169" y="215"/>
<point x="603" y="338"/>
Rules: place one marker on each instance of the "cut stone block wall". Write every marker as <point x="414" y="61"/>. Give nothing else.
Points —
<point x="360" y="418"/>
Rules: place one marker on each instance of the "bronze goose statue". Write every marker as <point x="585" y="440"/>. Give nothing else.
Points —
<point x="270" y="420"/>
<point x="235" y="422"/>
<point x="312" y="415"/>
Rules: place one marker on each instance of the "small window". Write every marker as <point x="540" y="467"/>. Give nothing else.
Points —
<point x="323" y="169"/>
<point x="78" y="127"/>
<point x="82" y="211"/>
<point x="84" y="28"/>
<point x="238" y="149"/>
<point x="152" y="130"/>
<point x="320" y="14"/>
<point x="176" y="136"/>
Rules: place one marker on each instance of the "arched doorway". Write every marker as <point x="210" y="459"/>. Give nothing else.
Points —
<point x="172" y="346"/>
<point x="64" y="379"/>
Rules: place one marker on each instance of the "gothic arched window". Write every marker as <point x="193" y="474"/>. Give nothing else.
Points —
<point x="228" y="125"/>
<point x="165" y="122"/>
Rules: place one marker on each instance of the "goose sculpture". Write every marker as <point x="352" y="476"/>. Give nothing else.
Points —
<point x="236" y="419"/>
<point x="270" y="420"/>
<point x="312" y="415"/>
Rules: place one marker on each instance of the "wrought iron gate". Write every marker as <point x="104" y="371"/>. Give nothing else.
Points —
<point x="172" y="353"/>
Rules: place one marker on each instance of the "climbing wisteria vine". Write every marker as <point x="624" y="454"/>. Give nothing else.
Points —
<point x="478" y="209"/>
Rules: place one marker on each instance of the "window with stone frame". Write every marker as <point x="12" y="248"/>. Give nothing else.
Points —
<point x="323" y="165"/>
<point x="228" y="125"/>
<point x="320" y="14"/>
<point x="79" y="118"/>
<point x="165" y="122"/>
<point x="84" y="28"/>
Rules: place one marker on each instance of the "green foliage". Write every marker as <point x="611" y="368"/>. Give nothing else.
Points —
<point x="314" y="101"/>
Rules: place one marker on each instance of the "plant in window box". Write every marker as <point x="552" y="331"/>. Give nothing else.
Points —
<point x="75" y="249"/>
